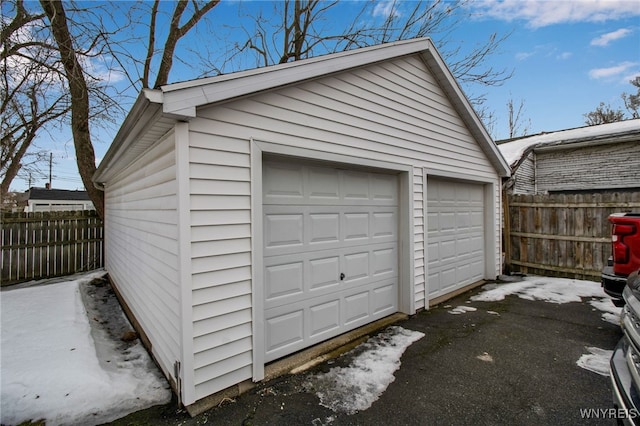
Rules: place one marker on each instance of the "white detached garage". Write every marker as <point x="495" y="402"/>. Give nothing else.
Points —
<point x="255" y="214"/>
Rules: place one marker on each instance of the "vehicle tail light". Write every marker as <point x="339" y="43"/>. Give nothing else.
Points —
<point x="620" y="249"/>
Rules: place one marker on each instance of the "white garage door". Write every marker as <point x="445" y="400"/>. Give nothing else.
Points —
<point x="455" y="235"/>
<point x="330" y="252"/>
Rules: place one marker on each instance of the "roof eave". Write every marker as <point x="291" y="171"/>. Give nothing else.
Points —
<point x="142" y="116"/>
<point x="626" y="136"/>
<point x="180" y="101"/>
<point x="184" y="98"/>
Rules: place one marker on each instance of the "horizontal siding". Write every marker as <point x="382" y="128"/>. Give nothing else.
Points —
<point x="525" y="176"/>
<point x="220" y="203"/>
<point x="369" y="120"/>
<point x="141" y="246"/>
<point x="386" y="112"/>
<point x="595" y="167"/>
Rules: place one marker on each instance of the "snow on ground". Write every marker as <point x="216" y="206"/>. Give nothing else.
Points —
<point x="554" y="290"/>
<point x="354" y="388"/>
<point x="562" y="290"/>
<point x="597" y="360"/>
<point x="61" y="360"/>
<point x="462" y="309"/>
<point x="61" y="366"/>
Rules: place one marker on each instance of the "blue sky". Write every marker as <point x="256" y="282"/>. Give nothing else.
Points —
<point x="566" y="58"/>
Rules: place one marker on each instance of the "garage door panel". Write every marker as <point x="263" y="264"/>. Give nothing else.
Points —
<point x="324" y="272"/>
<point x="355" y="186"/>
<point x="285" y="330"/>
<point x="295" y="278"/>
<point x="324" y="185"/>
<point x="356" y="226"/>
<point x="328" y="223"/>
<point x="284" y="230"/>
<point x="356" y="307"/>
<point x="382" y="299"/>
<point x="283" y="280"/>
<point x="283" y="183"/>
<point x="323" y="228"/>
<point x="349" y="308"/>
<point x="385" y="225"/>
<point x="455" y="235"/>
<point x="314" y="228"/>
<point x="384" y="188"/>
<point x="356" y="266"/>
<point x="324" y="317"/>
<point x="385" y="262"/>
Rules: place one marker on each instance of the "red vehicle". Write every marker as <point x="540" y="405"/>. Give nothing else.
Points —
<point x="625" y="259"/>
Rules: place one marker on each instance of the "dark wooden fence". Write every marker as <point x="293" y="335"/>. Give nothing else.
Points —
<point x="49" y="244"/>
<point x="564" y="235"/>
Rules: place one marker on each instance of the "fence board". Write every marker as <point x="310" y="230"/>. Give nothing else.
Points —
<point x="565" y="235"/>
<point x="49" y="244"/>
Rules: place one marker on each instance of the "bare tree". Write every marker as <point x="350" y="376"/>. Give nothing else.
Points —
<point x="298" y="29"/>
<point x="31" y="94"/>
<point x="72" y="37"/>
<point x="603" y="114"/>
<point x="518" y="125"/>
<point x="632" y="100"/>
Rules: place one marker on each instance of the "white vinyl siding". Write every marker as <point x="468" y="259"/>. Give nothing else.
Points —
<point x="220" y="200"/>
<point x="388" y="112"/>
<point x="141" y="246"/>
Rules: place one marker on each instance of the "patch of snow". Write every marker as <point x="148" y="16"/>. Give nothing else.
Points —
<point x="356" y="387"/>
<point x="554" y="290"/>
<point x="597" y="361"/>
<point x="485" y="357"/>
<point x="493" y="313"/>
<point x="462" y="309"/>
<point x="611" y="313"/>
<point x="52" y="369"/>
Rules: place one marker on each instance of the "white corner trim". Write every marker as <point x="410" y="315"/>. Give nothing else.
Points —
<point x="184" y="264"/>
<point x="257" y="282"/>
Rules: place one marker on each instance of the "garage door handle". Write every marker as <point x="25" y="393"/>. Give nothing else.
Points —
<point x="341" y="276"/>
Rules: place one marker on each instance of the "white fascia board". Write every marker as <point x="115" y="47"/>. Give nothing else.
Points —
<point x="450" y="85"/>
<point x="184" y="98"/>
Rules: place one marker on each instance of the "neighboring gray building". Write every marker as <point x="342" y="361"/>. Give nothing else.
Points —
<point x="592" y="158"/>
<point x="48" y="200"/>
<point x="249" y="216"/>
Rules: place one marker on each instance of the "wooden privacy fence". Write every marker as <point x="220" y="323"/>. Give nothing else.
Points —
<point x="49" y="244"/>
<point x="564" y="235"/>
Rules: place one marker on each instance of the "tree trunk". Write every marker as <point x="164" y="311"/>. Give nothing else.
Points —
<point x="14" y="167"/>
<point x="85" y="155"/>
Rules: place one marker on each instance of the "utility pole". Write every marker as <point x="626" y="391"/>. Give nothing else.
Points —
<point x="50" y="166"/>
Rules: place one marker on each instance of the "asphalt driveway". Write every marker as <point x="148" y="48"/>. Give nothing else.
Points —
<point x="508" y="362"/>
